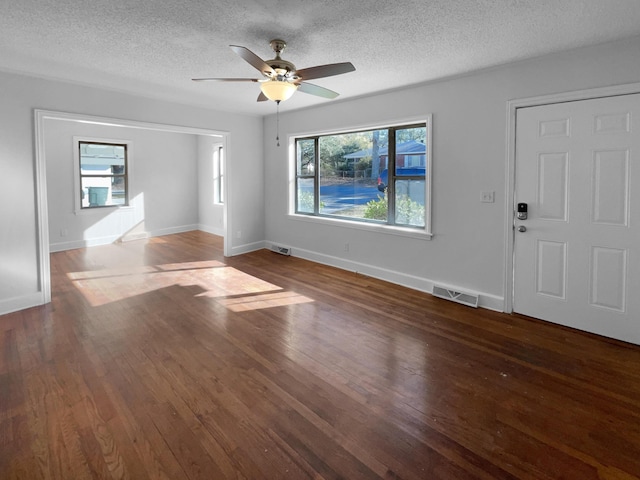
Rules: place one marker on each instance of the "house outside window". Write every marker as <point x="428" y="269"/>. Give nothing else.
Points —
<point x="379" y="176"/>
<point x="103" y="174"/>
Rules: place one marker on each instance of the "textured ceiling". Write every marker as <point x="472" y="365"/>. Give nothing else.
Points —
<point x="154" y="47"/>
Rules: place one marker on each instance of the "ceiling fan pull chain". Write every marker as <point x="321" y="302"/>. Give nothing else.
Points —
<point x="278" y="123"/>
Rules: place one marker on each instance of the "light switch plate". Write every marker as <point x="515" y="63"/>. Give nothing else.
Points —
<point x="487" y="197"/>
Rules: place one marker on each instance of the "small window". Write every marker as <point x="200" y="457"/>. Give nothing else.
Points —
<point x="218" y="174"/>
<point x="103" y="174"/>
<point x="376" y="176"/>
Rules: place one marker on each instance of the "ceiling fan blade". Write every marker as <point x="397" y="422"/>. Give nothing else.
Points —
<point x="312" y="89"/>
<point x="251" y="58"/>
<point x="224" y="79"/>
<point x="262" y="97"/>
<point x="325" y="70"/>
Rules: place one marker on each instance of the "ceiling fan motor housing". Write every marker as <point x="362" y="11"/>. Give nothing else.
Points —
<point x="281" y="67"/>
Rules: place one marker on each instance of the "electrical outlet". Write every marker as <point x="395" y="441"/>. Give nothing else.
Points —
<point x="63" y="232"/>
<point x="239" y="234"/>
<point x="487" y="197"/>
<point x="346" y="247"/>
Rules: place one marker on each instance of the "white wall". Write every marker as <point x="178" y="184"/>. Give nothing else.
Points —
<point x="162" y="185"/>
<point x="469" y="148"/>
<point x="20" y="281"/>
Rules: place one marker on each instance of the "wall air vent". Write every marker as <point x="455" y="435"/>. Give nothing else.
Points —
<point x="280" y="249"/>
<point x="468" y="299"/>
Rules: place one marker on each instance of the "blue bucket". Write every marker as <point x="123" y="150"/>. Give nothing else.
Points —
<point x="98" y="196"/>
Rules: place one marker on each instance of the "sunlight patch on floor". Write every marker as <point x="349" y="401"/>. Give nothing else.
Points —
<point x="236" y="290"/>
<point x="265" y="300"/>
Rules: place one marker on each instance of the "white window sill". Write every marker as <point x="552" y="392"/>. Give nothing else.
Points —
<point x="109" y="208"/>
<point x="369" y="227"/>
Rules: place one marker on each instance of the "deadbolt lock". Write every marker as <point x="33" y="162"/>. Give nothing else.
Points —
<point x="522" y="211"/>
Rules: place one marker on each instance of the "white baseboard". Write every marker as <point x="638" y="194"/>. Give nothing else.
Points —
<point x="10" y="305"/>
<point x="211" y="230"/>
<point x="97" y="241"/>
<point x="171" y="230"/>
<point x="249" y="247"/>
<point x="130" y="237"/>
<point x="485" y="300"/>
<point x="91" y="242"/>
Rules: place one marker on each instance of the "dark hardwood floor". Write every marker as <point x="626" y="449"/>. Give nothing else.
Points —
<point x="161" y="359"/>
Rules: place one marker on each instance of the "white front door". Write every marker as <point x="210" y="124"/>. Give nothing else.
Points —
<point x="578" y="171"/>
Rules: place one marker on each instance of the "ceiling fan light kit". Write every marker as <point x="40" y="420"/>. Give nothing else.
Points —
<point x="277" y="90"/>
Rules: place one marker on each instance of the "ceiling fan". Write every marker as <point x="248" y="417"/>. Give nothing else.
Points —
<point x="280" y="77"/>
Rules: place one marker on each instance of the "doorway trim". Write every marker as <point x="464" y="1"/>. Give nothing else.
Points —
<point x="512" y="108"/>
<point x="42" y="212"/>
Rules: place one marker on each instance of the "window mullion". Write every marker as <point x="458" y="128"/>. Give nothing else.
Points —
<point x="316" y="176"/>
<point x="391" y="175"/>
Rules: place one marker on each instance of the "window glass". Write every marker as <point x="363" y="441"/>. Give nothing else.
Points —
<point x="347" y="175"/>
<point x="221" y="176"/>
<point x="218" y="175"/>
<point x="305" y="198"/>
<point x="305" y="160"/>
<point x="346" y="180"/>
<point x="410" y="184"/>
<point x="410" y="203"/>
<point x="305" y="175"/>
<point x="103" y="174"/>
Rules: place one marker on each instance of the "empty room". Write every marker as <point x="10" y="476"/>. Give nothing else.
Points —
<point x="330" y="240"/>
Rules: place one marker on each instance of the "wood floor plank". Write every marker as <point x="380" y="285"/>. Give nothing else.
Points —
<point x="162" y="359"/>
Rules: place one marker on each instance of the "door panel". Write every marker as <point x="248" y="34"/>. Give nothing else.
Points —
<point x="608" y="278"/>
<point x="578" y="262"/>
<point x="610" y="187"/>
<point x="551" y="271"/>
<point x="552" y="186"/>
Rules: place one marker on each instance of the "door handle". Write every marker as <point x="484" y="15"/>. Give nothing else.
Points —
<point x="522" y="228"/>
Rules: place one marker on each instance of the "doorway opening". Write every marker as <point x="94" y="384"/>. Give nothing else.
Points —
<point x="45" y="121"/>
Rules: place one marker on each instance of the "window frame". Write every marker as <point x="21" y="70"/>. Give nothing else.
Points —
<point x="78" y="176"/>
<point x="363" y="224"/>
<point x="315" y="176"/>
<point x="218" y="174"/>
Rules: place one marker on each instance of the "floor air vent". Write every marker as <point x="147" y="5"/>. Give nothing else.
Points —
<point x="281" y="250"/>
<point x="455" y="296"/>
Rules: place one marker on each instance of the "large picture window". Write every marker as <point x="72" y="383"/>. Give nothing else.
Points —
<point x="103" y="174"/>
<point x="378" y="176"/>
